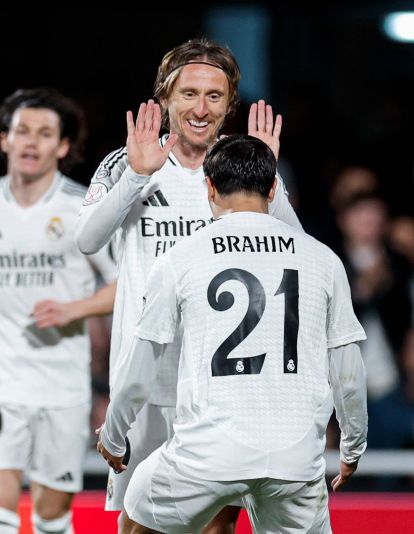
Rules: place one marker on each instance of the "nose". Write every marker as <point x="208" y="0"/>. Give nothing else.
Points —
<point x="201" y="108"/>
<point x="31" y="139"/>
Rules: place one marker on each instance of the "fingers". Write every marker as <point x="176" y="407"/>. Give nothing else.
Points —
<point x="149" y="115"/>
<point x="130" y="123"/>
<point x="172" y="139"/>
<point x="269" y="119"/>
<point x="120" y="469"/>
<point x="278" y="126"/>
<point x="114" y="462"/>
<point x="261" y="115"/>
<point x="337" y="483"/>
<point x="148" y="119"/>
<point x="45" y="313"/>
<point x="261" y="119"/>
<point x="156" y="123"/>
<point x="43" y="305"/>
<point x="252" y="120"/>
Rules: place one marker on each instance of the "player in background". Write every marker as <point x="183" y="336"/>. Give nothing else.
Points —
<point x="47" y="290"/>
<point x="269" y="347"/>
<point x="154" y="189"/>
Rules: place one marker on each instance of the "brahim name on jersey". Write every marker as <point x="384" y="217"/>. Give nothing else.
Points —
<point x="271" y="243"/>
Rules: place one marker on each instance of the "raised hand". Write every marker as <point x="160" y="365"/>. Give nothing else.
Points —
<point x="262" y="125"/>
<point x="145" y="154"/>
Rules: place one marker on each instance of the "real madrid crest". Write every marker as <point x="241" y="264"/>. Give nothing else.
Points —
<point x="55" y="229"/>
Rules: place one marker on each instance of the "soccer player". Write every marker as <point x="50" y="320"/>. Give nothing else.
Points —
<point x="47" y="289"/>
<point x="269" y="345"/>
<point x="155" y="191"/>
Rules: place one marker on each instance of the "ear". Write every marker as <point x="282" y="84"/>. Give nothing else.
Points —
<point x="63" y="149"/>
<point x="272" y="192"/>
<point x="211" y="189"/>
<point x="3" y="142"/>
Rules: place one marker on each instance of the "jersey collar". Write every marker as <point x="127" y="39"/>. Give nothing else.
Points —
<point x="56" y="184"/>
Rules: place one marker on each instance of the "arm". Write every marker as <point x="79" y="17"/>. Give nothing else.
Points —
<point x="49" y="313"/>
<point x="120" y="179"/>
<point x="137" y="371"/>
<point x="348" y="383"/>
<point x="131" y="391"/>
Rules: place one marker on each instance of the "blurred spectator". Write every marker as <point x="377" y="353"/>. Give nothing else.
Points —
<point x="402" y="238"/>
<point x="349" y="182"/>
<point x="379" y="279"/>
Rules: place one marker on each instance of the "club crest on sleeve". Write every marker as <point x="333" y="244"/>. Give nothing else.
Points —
<point x="55" y="229"/>
<point x="94" y="194"/>
<point x="102" y="173"/>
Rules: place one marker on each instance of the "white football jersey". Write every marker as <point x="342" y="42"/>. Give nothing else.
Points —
<point x="39" y="260"/>
<point x="260" y="303"/>
<point x="171" y="206"/>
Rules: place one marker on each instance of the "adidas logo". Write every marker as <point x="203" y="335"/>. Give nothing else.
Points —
<point x="157" y="199"/>
<point x="67" y="477"/>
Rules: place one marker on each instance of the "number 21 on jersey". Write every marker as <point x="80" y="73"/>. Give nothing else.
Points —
<point x="221" y="365"/>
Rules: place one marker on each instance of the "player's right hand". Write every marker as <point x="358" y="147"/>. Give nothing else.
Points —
<point x="145" y="155"/>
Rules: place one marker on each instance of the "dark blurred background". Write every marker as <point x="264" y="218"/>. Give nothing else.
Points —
<point x="345" y="90"/>
<point x="346" y="93"/>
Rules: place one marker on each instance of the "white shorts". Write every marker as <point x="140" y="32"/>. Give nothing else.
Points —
<point x="161" y="497"/>
<point x="49" y="444"/>
<point x="152" y="427"/>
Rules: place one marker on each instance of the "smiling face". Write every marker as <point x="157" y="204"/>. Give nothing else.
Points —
<point x="33" y="144"/>
<point x="198" y="104"/>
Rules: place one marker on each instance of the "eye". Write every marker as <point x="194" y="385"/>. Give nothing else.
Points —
<point x="215" y="97"/>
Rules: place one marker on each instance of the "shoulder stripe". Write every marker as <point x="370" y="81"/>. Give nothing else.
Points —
<point x="108" y="158"/>
<point x="73" y="188"/>
<point x="115" y="161"/>
<point x="111" y="160"/>
<point x="71" y="184"/>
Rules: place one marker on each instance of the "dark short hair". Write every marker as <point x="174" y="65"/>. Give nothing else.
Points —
<point x="71" y="116"/>
<point x="241" y="163"/>
<point x="191" y="51"/>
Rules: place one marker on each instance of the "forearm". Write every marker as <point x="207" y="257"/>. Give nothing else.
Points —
<point x="97" y="223"/>
<point x="100" y="303"/>
<point x="131" y="391"/>
<point x="348" y="382"/>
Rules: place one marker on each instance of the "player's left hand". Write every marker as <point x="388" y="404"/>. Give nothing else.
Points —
<point x="262" y="125"/>
<point x="345" y="473"/>
<point x="113" y="461"/>
<point x="48" y="313"/>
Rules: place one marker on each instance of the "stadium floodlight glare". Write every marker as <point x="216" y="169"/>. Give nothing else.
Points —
<point x="400" y="26"/>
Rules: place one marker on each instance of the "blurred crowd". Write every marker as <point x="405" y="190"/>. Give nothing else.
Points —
<point x="378" y="252"/>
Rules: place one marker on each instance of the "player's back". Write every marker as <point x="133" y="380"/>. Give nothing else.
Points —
<point x="255" y="295"/>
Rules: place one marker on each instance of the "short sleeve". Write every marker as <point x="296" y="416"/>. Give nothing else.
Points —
<point x="342" y="325"/>
<point x="159" y="318"/>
